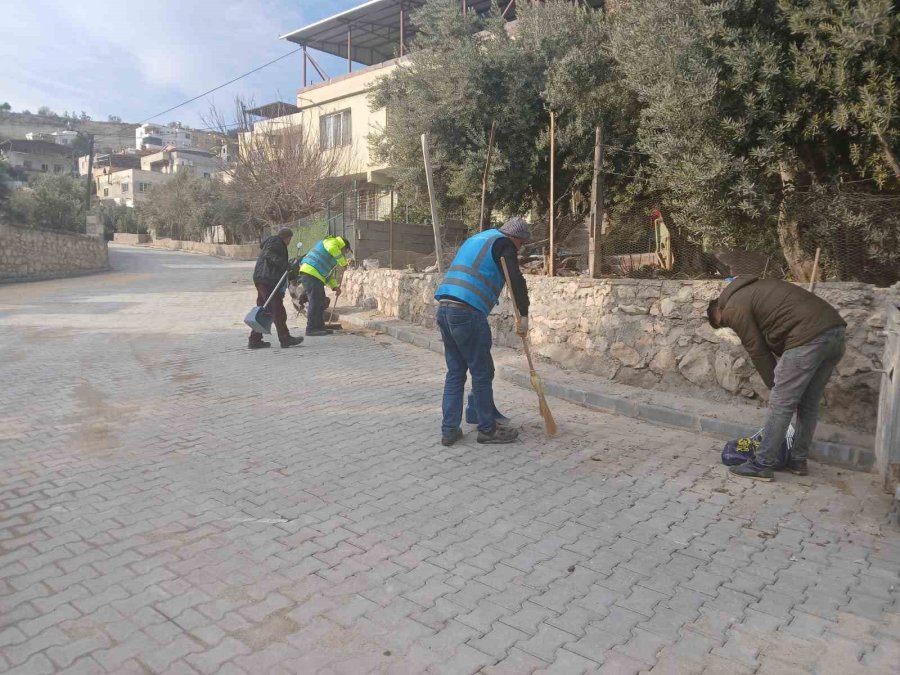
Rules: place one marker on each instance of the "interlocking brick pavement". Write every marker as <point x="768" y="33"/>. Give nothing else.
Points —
<point x="171" y="502"/>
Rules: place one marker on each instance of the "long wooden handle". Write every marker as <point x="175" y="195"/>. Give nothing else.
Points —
<point x="509" y="286"/>
<point x="518" y="316"/>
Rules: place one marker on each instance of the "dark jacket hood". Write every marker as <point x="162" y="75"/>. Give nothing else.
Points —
<point x="740" y="282"/>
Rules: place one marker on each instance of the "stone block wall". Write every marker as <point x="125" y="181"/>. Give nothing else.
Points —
<point x="653" y="333"/>
<point x="239" y="251"/>
<point x="131" y="239"/>
<point x="27" y="254"/>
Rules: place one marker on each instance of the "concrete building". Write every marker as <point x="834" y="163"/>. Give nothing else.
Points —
<point x="35" y="157"/>
<point x="127" y="186"/>
<point x="172" y="160"/>
<point x="65" y="137"/>
<point x="157" y="137"/>
<point x="109" y="161"/>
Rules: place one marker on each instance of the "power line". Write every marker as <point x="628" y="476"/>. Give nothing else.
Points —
<point x="206" y="93"/>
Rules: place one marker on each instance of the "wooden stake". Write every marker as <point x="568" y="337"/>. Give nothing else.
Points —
<point x="551" y="267"/>
<point x="815" y="271"/>
<point x="435" y="224"/>
<point x="391" y="225"/>
<point x="487" y="166"/>
<point x="595" y="252"/>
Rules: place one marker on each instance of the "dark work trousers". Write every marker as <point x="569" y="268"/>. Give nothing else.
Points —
<point x="276" y="308"/>
<point x="315" y="308"/>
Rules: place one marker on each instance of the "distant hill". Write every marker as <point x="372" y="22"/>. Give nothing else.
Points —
<point x="108" y="136"/>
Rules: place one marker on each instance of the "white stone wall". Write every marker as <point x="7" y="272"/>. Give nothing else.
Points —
<point x="28" y="254"/>
<point x="653" y="334"/>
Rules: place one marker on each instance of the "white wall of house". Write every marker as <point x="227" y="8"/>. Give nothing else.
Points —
<point x="128" y="186"/>
<point x="157" y="137"/>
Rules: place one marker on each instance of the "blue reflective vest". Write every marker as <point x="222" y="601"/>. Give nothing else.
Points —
<point x="474" y="278"/>
<point x="320" y="260"/>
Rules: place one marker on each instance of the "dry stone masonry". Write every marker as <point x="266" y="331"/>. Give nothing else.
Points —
<point x="653" y="333"/>
<point x="27" y="254"/>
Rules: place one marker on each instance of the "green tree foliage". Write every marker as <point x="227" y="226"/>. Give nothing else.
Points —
<point x="469" y="71"/>
<point x="51" y="202"/>
<point x="81" y="145"/>
<point x="117" y="218"/>
<point x="749" y="106"/>
<point x="750" y="123"/>
<point x="5" y="107"/>
<point x="187" y="207"/>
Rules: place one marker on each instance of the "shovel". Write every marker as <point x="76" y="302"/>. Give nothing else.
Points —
<point x="536" y="382"/>
<point x="259" y="318"/>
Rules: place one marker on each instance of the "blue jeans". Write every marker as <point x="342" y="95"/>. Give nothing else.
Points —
<point x="800" y="379"/>
<point x="467" y="347"/>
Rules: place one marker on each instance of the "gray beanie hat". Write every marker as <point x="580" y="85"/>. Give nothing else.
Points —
<point x="518" y="228"/>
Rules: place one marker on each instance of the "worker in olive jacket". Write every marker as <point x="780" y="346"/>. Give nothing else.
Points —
<point x="775" y="318"/>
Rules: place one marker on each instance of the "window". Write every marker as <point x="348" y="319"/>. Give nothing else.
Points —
<point x="124" y="188"/>
<point x="206" y="175"/>
<point x="27" y="164"/>
<point x="57" y="168"/>
<point x="106" y="192"/>
<point x="143" y="187"/>
<point x="45" y="167"/>
<point x="334" y="129"/>
<point x="187" y="136"/>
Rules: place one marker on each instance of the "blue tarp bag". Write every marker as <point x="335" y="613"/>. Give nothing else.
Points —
<point x="742" y="449"/>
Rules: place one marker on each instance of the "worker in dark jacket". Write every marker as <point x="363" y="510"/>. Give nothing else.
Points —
<point x="271" y="265"/>
<point x="775" y="318"/>
<point x="468" y="293"/>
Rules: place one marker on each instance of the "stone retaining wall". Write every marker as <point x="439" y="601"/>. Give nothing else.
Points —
<point x="244" y="251"/>
<point x="28" y="255"/>
<point x="131" y="239"/>
<point x="653" y="333"/>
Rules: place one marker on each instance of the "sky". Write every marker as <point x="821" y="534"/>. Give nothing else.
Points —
<point x="135" y="59"/>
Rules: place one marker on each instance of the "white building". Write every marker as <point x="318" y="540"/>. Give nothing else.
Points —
<point x="65" y="137"/>
<point x="154" y="137"/>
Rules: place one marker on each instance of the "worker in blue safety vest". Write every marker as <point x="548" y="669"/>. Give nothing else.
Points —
<point x="466" y="296"/>
<point x="317" y="269"/>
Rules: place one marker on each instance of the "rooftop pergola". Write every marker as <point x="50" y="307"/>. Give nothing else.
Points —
<point x="374" y="32"/>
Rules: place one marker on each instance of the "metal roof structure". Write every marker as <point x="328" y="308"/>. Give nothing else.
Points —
<point x="374" y="31"/>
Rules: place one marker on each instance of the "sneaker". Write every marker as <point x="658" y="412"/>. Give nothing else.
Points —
<point x="319" y="332"/>
<point x="750" y="469"/>
<point x="452" y="437"/>
<point x="258" y="345"/>
<point x="500" y="434"/>
<point x="291" y="341"/>
<point x="798" y="467"/>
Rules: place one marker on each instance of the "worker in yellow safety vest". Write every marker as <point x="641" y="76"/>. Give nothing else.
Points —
<point x="317" y="269"/>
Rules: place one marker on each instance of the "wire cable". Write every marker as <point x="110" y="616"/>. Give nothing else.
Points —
<point x="205" y="93"/>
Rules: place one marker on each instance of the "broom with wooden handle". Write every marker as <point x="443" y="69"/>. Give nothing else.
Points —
<point x="536" y="382"/>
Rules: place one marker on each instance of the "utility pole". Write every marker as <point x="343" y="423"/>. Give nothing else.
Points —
<point x="551" y="265"/>
<point x="595" y="250"/>
<point x="90" y="176"/>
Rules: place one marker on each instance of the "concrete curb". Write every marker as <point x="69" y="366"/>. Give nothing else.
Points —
<point x="847" y="456"/>
<point x="54" y="276"/>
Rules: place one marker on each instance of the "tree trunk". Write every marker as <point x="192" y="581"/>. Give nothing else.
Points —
<point x="789" y="229"/>
<point x="889" y="154"/>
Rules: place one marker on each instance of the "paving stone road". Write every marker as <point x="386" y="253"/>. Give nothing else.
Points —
<point x="171" y="502"/>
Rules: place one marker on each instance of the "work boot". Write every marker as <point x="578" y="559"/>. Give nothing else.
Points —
<point x="798" y="467"/>
<point x="318" y="332"/>
<point x="452" y="437"/>
<point x="291" y="341"/>
<point x="750" y="469"/>
<point x="258" y="345"/>
<point x="500" y="434"/>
